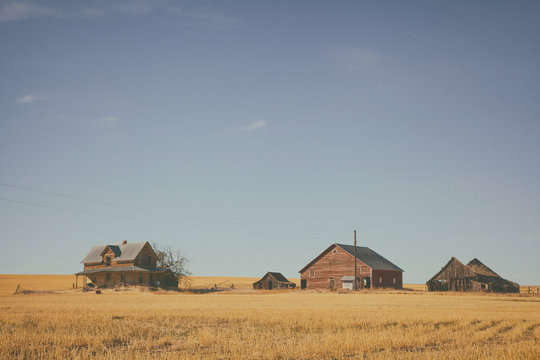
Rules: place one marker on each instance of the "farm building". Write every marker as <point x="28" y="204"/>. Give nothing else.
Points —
<point x="273" y="280"/>
<point x="473" y="277"/>
<point x="334" y="269"/>
<point x="123" y="264"/>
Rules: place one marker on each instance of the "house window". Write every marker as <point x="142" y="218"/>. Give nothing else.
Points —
<point x="140" y="278"/>
<point x="334" y="251"/>
<point x="151" y="278"/>
<point x="108" y="261"/>
<point x="312" y="273"/>
<point x="394" y="281"/>
<point x="108" y="276"/>
<point x="380" y="280"/>
<point x="140" y="259"/>
<point x="149" y="258"/>
<point x="331" y="283"/>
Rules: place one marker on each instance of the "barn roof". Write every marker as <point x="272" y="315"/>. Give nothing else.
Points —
<point x="479" y="268"/>
<point x="123" y="252"/>
<point x="364" y="254"/>
<point x="370" y="258"/>
<point x="474" y="268"/>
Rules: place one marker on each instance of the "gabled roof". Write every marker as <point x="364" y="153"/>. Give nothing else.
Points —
<point x="123" y="252"/>
<point x="481" y="269"/>
<point x="370" y="258"/>
<point x="475" y="268"/>
<point x="452" y="265"/>
<point x="364" y="254"/>
<point x="275" y="275"/>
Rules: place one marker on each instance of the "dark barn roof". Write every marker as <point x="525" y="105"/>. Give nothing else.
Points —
<point x="370" y="258"/>
<point x="364" y="254"/>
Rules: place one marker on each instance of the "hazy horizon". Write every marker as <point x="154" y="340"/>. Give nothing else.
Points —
<point x="253" y="135"/>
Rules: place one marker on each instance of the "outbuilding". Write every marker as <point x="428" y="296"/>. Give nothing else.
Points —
<point x="273" y="280"/>
<point x="473" y="277"/>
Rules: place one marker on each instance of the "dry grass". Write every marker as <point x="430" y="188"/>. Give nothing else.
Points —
<point x="267" y="325"/>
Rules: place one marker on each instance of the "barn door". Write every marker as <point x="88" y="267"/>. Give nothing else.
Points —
<point x="303" y="284"/>
<point x="269" y="284"/>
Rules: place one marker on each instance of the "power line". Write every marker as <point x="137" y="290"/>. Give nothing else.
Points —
<point x="137" y="208"/>
<point x="28" y="203"/>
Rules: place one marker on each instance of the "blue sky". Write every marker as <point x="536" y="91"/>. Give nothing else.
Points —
<point x="252" y="135"/>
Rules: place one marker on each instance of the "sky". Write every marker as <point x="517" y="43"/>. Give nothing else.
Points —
<point x="252" y="135"/>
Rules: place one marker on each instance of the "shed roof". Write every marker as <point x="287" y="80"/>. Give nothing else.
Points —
<point x="275" y="275"/>
<point x="123" y="252"/>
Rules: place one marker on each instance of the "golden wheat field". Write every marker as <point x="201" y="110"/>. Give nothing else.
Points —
<point x="246" y="324"/>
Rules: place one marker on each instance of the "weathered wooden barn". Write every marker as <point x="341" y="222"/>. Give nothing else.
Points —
<point x="334" y="269"/>
<point x="473" y="277"/>
<point x="273" y="280"/>
<point x="122" y="264"/>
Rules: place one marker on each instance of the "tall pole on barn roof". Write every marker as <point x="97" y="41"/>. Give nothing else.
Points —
<point x="355" y="283"/>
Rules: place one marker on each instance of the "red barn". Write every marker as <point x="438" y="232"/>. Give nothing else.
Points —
<point x="334" y="269"/>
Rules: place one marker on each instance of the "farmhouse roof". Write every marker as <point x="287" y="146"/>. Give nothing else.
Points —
<point x="364" y="254"/>
<point x="120" y="269"/>
<point x="123" y="252"/>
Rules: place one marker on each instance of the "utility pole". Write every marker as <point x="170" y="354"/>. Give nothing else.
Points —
<point x="355" y="274"/>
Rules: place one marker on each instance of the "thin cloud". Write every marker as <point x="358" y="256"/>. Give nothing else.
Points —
<point x="14" y="11"/>
<point x="107" y="121"/>
<point x="251" y="127"/>
<point x="30" y="98"/>
<point x="17" y="11"/>
<point x="356" y="58"/>
<point x="210" y="20"/>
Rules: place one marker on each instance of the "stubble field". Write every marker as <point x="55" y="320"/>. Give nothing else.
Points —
<point x="265" y="325"/>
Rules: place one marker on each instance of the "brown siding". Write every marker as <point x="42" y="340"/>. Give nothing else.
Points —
<point x="385" y="279"/>
<point x="333" y="266"/>
<point x="146" y="257"/>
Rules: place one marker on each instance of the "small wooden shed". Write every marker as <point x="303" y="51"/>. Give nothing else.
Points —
<point x="273" y="280"/>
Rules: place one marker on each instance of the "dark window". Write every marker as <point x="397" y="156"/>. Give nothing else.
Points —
<point x="149" y="260"/>
<point x="108" y="276"/>
<point x="303" y="284"/>
<point x="151" y="278"/>
<point x="140" y="278"/>
<point x="108" y="261"/>
<point x="140" y="259"/>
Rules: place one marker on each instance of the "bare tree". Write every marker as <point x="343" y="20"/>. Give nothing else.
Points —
<point x="174" y="262"/>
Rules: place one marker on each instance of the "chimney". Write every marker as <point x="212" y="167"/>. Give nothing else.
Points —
<point x="124" y="242"/>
